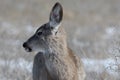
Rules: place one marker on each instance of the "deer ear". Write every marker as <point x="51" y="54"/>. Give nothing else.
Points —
<point x="56" y="15"/>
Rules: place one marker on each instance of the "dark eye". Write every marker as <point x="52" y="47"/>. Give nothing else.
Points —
<point x="39" y="33"/>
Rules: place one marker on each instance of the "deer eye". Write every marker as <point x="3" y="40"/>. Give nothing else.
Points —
<point x="39" y="33"/>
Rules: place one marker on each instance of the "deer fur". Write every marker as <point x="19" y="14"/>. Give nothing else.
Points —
<point x="54" y="59"/>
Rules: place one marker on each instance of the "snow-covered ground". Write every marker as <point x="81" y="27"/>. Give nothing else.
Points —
<point x="91" y="65"/>
<point x="99" y="66"/>
<point x="20" y="63"/>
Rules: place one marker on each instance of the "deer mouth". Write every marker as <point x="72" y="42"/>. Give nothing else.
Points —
<point x="27" y="48"/>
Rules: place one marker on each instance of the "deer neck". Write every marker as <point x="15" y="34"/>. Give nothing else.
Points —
<point x="57" y="47"/>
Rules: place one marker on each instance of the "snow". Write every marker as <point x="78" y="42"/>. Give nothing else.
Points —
<point x="100" y="66"/>
<point x="110" y="30"/>
<point x="19" y="63"/>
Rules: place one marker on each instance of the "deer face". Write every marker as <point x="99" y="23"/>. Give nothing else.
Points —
<point x="39" y="41"/>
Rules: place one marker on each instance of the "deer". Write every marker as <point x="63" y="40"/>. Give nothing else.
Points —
<point x="54" y="59"/>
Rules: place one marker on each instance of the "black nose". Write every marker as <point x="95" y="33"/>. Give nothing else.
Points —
<point x="27" y="48"/>
<point x="25" y="45"/>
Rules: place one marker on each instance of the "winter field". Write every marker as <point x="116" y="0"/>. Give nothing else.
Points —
<point x="92" y="26"/>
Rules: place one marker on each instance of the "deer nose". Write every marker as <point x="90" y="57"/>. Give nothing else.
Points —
<point x="27" y="48"/>
<point x="25" y="45"/>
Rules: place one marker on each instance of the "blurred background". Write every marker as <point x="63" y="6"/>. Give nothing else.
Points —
<point x="92" y="26"/>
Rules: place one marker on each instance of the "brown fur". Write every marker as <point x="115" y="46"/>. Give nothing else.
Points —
<point x="62" y="63"/>
<point x="54" y="61"/>
<point x="67" y="65"/>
